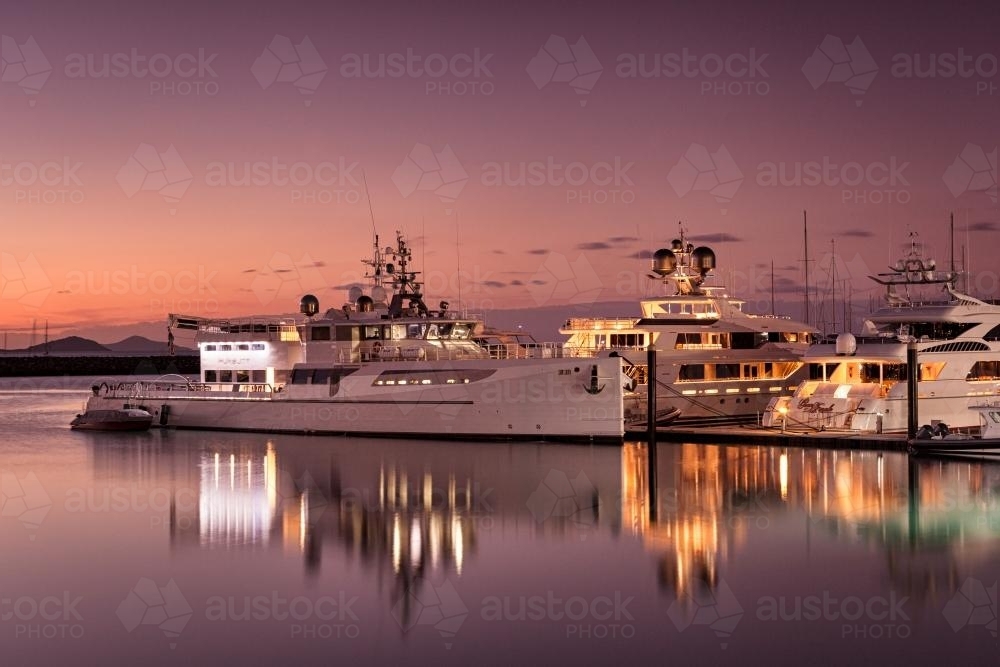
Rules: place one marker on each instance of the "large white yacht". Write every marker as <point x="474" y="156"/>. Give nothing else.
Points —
<point x="715" y="362"/>
<point x="382" y="364"/>
<point x="859" y="383"/>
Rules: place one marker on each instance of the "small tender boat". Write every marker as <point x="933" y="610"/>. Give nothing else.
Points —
<point x="986" y="446"/>
<point x="125" y="419"/>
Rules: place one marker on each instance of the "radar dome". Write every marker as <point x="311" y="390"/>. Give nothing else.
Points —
<point x="676" y="245"/>
<point x="308" y="305"/>
<point x="664" y="262"/>
<point x="378" y="294"/>
<point x="703" y="259"/>
<point x="354" y="293"/>
<point x="846" y="345"/>
<point x="365" y="304"/>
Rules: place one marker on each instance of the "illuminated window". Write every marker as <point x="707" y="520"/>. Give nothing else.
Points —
<point x="257" y="346"/>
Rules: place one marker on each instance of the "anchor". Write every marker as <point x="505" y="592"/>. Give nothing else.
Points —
<point x="594" y="388"/>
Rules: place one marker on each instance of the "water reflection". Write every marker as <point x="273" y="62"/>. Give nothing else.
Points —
<point x="408" y="512"/>
<point x="927" y="518"/>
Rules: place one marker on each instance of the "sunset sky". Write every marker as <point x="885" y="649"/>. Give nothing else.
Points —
<point x="92" y="239"/>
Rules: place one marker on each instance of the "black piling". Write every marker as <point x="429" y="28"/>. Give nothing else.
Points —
<point x="651" y="428"/>
<point x="912" y="376"/>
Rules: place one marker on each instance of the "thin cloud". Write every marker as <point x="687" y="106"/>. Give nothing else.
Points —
<point x="499" y="252"/>
<point x="593" y="245"/>
<point x="981" y="226"/>
<point x="516" y="283"/>
<point x="718" y="237"/>
<point x="623" y="239"/>
<point x="493" y="283"/>
<point x="538" y="251"/>
<point x="282" y="270"/>
<point x="249" y="271"/>
<point x="857" y="233"/>
<point x="641" y="254"/>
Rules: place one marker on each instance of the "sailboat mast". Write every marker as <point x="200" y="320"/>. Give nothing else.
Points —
<point x="805" y="238"/>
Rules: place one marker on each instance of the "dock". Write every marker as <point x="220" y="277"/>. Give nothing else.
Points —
<point x="754" y="434"/>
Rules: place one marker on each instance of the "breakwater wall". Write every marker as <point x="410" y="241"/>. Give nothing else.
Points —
<point x="96" y="365"/>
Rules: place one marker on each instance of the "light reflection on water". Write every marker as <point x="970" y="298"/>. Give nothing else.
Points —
<point x="462" y="552"/>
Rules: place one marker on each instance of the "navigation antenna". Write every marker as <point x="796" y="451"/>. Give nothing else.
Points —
<point x="458" y="265"/>
<point x="377" y="262"/>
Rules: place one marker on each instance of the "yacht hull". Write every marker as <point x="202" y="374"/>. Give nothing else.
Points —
<point x="538" y="399"/>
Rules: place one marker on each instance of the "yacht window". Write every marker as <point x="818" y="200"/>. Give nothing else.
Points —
<point x="210" y="376"/>
<point x="727" y="371"/>
<point x="398" y="331"/>
<point x="322" y="376"/>
<point x="996" y="416"/>
<point x="225" y="376"/>
<point x="984" y="370"/>
<point x="243" y="376"/>
<point x="993" y="334"/>
<point x="320" y="333"/>
<point x="432" y="332"/>
<point x="243" y="346"/>
<point x="257" y="346"/>
<point x="302" y="375"/>
<point x="692" y="372"/>
<point x="626" y="340"/>
<point x="225" y="348"/>
<point x="460" y="331"/>
<point x="258" y="376"/>
<point x="373" y="332"/>
<point x="210" y="348"/>
<point x="940" y="330"/>
<point x="415" y="330"/>
<point x="444" y="330"/>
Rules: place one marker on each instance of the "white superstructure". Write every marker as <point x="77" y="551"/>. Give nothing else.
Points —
<point x="860" y="383"/>
<point x="716" y="363"/>
<point x="383" y="364"/>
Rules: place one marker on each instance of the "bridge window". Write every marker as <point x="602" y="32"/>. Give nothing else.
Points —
<point x="692" y="372"/>
<point x="984" y="370"/>
<point x="211" y="376"/>
<point x="320" y="333"/>
<point x="627" y="340"/>
<point x="258" y="376"/>
<point x="243" y="376"/>
<point x="225" y="376"/>
<point x="302" y="375"/>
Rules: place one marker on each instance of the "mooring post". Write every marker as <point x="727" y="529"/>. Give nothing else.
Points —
<point x="912" y="377"/>
<point x="651" y="428"/>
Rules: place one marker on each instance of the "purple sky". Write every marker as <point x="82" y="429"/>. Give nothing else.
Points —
<point x="92" y="239"/>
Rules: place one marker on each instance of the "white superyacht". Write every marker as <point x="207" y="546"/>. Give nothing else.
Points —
<point x="715" y="362"/>
<point x="382" y="364"/>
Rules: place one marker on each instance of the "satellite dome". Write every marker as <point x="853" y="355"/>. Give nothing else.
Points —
<point x="664" y="262"/>
<point x="703" y="259"/>
<point x="365" y="304"/>
<point x="676" y="245"/>
<point x="354" y="293"/>
<point x="378" y="294"/>
<point x="846" y="345"/>
<point x="309" y="305"/>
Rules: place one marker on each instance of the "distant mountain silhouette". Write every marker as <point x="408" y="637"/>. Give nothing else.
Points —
<point x="68" y="344"/>
<point x="133" y="345"/>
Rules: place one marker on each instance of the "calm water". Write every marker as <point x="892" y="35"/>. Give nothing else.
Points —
<point x="196" y="548"/>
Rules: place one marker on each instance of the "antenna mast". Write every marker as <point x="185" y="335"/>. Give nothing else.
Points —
<point x="805" y="239"/>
